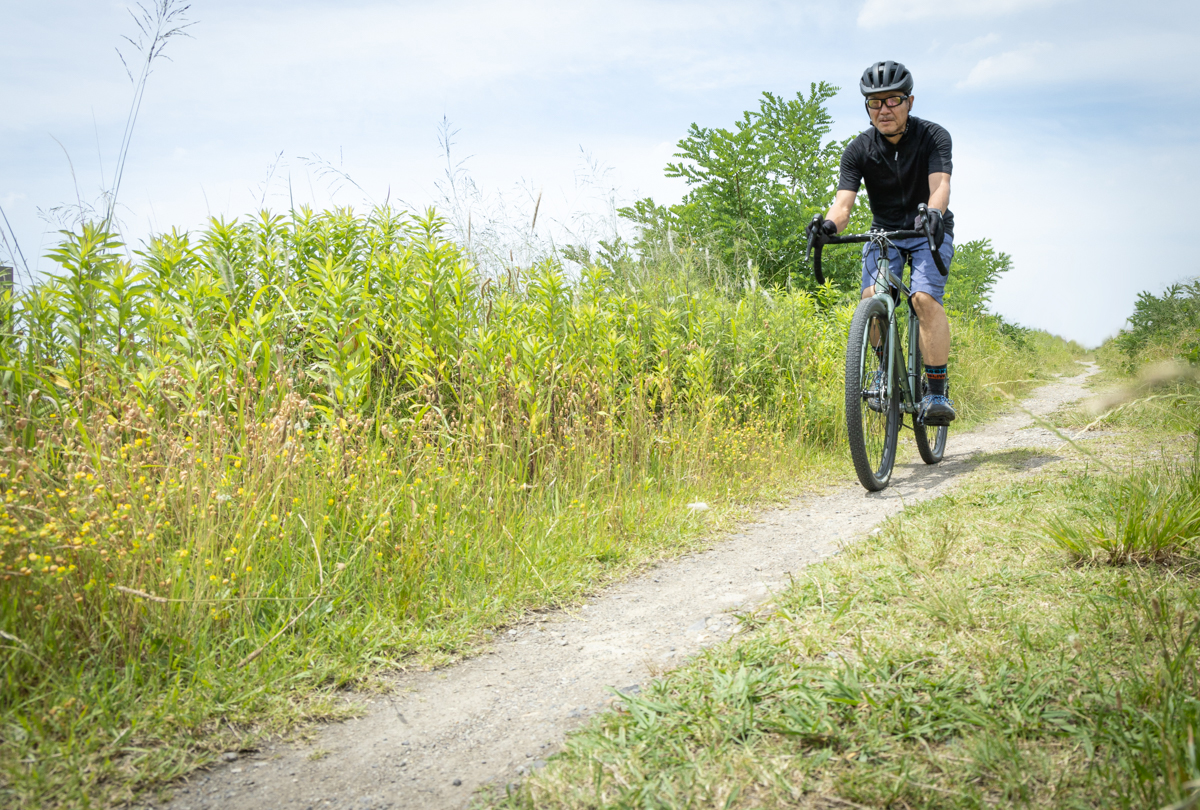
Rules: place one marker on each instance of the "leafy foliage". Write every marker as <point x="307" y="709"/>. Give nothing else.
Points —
<point x="1164" y="325"/>
<point x="976" y="269"/>
<point x="337" y="411"/>
<point x="753" y="188"/>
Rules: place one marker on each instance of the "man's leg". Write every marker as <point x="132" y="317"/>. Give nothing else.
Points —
<point x="935" y="329"/>
<point x="928" y="285"/>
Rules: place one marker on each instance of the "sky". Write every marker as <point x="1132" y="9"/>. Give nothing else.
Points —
<point x="1074" y="123"/>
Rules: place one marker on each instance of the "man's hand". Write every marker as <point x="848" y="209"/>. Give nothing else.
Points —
<point x="936" y="227"/>
<point x="819" y="228"/>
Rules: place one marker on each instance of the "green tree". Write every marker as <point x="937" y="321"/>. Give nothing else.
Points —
<point x="976" y="268"/>
<point x="754" y="187"/>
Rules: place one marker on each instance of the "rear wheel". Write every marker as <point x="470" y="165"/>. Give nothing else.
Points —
<point x="872" y="404"/>
<point x="931" y="452"/>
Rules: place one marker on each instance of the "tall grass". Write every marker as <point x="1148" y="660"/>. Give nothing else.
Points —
<point x="288" y="451"/>
<point x="1150" y="515"/>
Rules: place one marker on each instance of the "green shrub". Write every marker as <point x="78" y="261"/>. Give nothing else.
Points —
<point x="1163" y="326"/>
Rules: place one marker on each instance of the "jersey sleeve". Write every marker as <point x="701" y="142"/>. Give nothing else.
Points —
<point x="851" y="172"/>
<point x="939" y="156"/>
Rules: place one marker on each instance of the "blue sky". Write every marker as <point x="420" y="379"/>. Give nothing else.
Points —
<point x="1074" y="123"/>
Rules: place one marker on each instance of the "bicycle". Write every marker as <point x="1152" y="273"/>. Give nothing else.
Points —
<point x="878" y="392"/>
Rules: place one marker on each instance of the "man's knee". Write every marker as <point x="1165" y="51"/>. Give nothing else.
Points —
<point x="868" y="291"/>
<point x="925" y="304"/>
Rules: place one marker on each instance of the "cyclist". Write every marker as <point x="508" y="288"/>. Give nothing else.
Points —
<point x="904" y="161"/>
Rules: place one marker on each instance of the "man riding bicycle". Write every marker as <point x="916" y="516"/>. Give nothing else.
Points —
<point x="905" y="161"/>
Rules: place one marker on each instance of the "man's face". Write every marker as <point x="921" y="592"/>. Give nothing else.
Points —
<point x="890" y="120"/>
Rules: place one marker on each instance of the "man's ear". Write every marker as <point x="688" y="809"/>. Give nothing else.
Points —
<point x="910" y="102"/>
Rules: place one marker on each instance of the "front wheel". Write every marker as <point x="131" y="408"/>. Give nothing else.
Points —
<point x="930" y="453"/>
<point x="872" y="401"/>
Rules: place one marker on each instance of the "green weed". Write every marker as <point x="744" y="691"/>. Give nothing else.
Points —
<point x="248" y="466"/>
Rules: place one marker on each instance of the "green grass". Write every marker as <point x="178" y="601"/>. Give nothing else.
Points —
<point x="1151" y="515"/>
<point x="958" y="659"/>
<point x="269" y="461"/>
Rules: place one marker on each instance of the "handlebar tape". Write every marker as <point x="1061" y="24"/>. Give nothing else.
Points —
<point x="937" y="259"/>
<point x="923" y="210"/>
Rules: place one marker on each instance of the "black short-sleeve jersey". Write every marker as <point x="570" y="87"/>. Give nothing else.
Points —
<point x="897" y="174"/>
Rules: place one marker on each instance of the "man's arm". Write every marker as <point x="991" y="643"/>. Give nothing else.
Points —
<point x="939" y="192"/>
<point x="844" y="201"/>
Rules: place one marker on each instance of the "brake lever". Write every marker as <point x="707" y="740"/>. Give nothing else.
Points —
<point x="923" y="211"/>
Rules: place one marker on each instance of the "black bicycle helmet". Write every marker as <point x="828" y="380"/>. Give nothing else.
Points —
<point x="884" y="77"/>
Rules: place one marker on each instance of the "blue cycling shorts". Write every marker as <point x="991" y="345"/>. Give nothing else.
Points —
<point x="926" y="277"/>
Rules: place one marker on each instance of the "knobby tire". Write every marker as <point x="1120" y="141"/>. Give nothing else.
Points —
<point x="930" y="453"/>
<point x="872" y="434"/>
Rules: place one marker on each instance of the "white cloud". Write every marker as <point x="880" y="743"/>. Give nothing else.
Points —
<point x="976" y="44"/>
<point x="877" y="13"/>
<point x="1153" y="62"/>
<point x="1008" y="67"/>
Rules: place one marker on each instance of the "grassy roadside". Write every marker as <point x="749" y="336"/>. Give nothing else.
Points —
<point x="260" y="464"/>
<point x="1028" y="640"/>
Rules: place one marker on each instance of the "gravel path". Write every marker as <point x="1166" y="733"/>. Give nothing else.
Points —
<point x="441" y="735"/>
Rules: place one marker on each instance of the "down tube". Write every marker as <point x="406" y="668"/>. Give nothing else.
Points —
<point x="891" y="340"/>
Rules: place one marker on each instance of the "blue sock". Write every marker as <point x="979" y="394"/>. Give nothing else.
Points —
<point x="937" y="379"/>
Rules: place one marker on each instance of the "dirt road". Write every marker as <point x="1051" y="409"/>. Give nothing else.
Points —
<point x="441" y="735"/>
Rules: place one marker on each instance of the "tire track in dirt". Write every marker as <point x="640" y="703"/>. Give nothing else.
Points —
<point x="443" y="734"/>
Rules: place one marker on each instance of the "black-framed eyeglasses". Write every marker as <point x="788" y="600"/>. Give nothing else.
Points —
<point x="891" y="101"/>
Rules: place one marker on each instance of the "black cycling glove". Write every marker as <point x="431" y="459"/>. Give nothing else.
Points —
<point x="821" y="227"/>
<point x="936" y="227"/>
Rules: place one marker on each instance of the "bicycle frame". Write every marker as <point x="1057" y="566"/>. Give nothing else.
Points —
<point x="895" y="287"/>
<point x="880" y="391"/>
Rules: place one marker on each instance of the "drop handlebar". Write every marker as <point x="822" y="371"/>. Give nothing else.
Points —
<point x="817" y="240"/>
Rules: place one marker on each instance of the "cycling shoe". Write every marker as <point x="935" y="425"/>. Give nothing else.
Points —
<point x="935" y="410"/>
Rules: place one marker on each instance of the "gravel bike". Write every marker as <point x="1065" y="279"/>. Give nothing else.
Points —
<point x="885" y="377"/>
